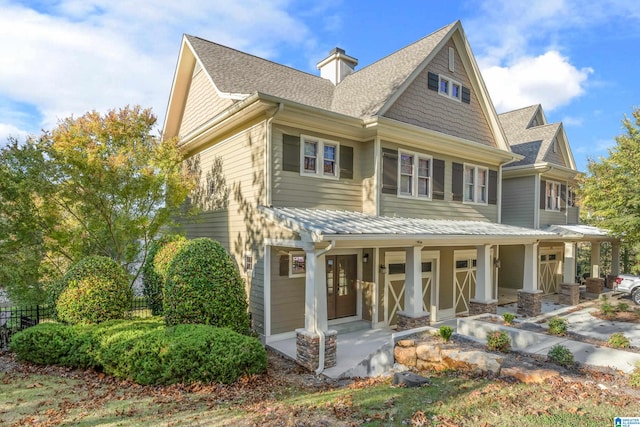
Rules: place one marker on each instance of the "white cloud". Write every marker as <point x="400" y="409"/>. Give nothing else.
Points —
<point x="549" y="79"/>
<point x="572" y="121"/>
<point x="10" y="131"/>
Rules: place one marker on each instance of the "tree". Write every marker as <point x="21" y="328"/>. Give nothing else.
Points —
<point x="610" y="190"/>
<point x="95" y="185"/>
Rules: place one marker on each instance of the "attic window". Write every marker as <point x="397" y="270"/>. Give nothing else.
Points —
<point x="450" y="88"/>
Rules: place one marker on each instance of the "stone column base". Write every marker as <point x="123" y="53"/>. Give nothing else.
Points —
<point x="595" y="285"/>
<point x="411" y="321"/>
<point x="482" y="307"/>
<point x="530" y="303"/>
<point x="308" y="349"/>
<point x="569" y="294"/>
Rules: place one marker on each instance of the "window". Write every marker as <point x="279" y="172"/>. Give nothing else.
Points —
<point x="571" y="198"/>
<point x="476" y="180"/>
<point x="319" y="157"/>
<point x="297" y="264"/>
<point x="248" y="262"/>
<point x="553" y="196"/>
<point x="450" y="88"/>
<point x="415" y="175"/>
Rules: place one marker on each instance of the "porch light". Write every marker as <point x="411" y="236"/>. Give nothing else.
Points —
<point x="365" y="258"/>
<point x="383" y="269"/>
<point x="496" y="262"/>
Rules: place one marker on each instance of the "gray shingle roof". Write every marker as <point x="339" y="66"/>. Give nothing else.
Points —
<point x="360" y="94"/>
<point x="331" y="223"/>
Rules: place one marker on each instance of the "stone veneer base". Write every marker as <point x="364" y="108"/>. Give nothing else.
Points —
<point x="569" y="294"/>
<point x="482" y="307"/>
<point x="530" y="303"/>
<point x="308" y="349"/>
<point x="406" y="322"/>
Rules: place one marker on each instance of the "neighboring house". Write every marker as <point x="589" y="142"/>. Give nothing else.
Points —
<point x="538" y="192"/>
<point x="372" y="195"/>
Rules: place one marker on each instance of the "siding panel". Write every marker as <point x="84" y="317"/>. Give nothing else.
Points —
<point x="287" y="298"/>
<point x="518" y="201"/>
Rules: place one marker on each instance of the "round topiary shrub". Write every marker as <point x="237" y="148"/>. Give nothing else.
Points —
<point x="204" y="286"/>
<point x="92" y="291"/>
<point x="154" y="270"/>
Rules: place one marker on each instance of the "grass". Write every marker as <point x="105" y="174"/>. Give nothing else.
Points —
<point x="91" y="400"/>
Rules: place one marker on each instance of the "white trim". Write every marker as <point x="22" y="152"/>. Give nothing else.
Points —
<point x="287" y="243"/>
<point x="375" y="303"/>
<point x="266" y="283"/>
<point x="377" y="170"/>
<point x="340" y="320"/>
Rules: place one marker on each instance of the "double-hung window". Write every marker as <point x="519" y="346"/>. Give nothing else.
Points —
<point x="415" y="175"/>
<point x="475" y="184"/>
<point x="553" y="196"/>
<point x="319" y="157"/>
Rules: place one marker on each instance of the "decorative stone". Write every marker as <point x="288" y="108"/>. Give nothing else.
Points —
<point x="529" y="376"/>
<point x="530" y="303"/>
<point x="482" y="307"/>
<point x="405" y="355"/>
<point x="406" y="322"/>
<point x="429" y="353"/>
<point x="409" y="379"/>
<point x="308" y="349"/>
<point x="475" y="361"/>
<point x="595" y="285"/>
<point x="406" y="343"/>
<point x="569" y="294"/>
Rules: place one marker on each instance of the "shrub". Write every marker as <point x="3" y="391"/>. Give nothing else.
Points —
<point x="204" y="287"/>
<point x="92" y="291"/>
<point x="508" y="318"/>
<point x="561" y="355"/>
<point x="618" y="340"/>
<point x="44" y="344"/>
<point x="498" y="341"/>
<point x="622" y="307"/>
<point x="557" y="326"/>
<point x="607" y="309"/>
<point x="634" y="378"/>
<point x="445" y="332"/>
<point x="154" y="270"/>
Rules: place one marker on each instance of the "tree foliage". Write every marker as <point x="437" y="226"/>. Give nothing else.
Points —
<point x="610" y="191"/>
<point x="95" y="185"/>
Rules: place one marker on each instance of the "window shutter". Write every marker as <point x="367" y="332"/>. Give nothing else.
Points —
<point x="389" y="171"/>
<point x="284" y="265"/>
<point x="493" y="187"/>
<point x="563" y="197"/>
<point x="432" y="82"/>
<point x="543" y="194"/>
<point x="290" y="153"/>
<point x="466" y="95"/>
<point x="346" y="162"/>
<point x="456" y="181"/>
<point x="438" y="179"/>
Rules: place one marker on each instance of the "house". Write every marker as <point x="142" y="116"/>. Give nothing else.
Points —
<point x="371" y="195"/>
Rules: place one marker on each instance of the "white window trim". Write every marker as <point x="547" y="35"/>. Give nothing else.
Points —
<point x="450" y="88"/>
<point x="414" y="176"/>
<point x="319" y="172"/>
<point x="475" y="168"/>
<point x="297" y="254"/>
<point x="557" y="197"/>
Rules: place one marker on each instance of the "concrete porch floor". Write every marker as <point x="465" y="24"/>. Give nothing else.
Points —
<point x="361" y="351"/>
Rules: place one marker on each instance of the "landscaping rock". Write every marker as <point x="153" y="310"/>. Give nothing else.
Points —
<point x="475" y="361"/>
<point x="409" y="379"/>
<point x="429" y="352"/>
<point x="406" y="343"/>
<point x="529" y="376"/>
<point x="405" y="355"/>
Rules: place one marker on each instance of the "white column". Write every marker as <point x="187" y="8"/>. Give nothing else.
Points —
<point x="484" y="288"/>
<point x="595" y="259"/>
<point x="315" y="311"/>
<point x="615" y="258"/>
<point x="413" y="281"/>
<point x="569" y="262"/>
<point x="530" y="279"/>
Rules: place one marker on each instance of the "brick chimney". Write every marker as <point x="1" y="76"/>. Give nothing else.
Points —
<point x="337" y="66"/>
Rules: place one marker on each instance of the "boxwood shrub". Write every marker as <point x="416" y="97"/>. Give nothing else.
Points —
<point x="94" y="290"/>
<point x="204" y="287"/>
<point x="154" y="270"/>
<point x="145" y="351"/>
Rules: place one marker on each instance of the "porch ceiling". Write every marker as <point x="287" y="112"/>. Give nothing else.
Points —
<point x="322" y="225"/>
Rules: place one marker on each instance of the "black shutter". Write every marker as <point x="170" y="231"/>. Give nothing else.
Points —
<point x="290" y="153"/>
<point x="432" y="82"/>
<point x="389" y="171"/>
<point x="284" y="265"/>
<point x="466" y="95"/>
<point x="563" y="197"/>
<point x="457" y="179"/>
<point x="438" y="179"/>
<point x="346" y="162"/>
<point x="493" y="187"/>
<point x="543" y="194"/>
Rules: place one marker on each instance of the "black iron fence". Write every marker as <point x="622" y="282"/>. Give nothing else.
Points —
<point x="18" y="318"/>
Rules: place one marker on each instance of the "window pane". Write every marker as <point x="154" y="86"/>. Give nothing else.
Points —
<point x="423" y="167"/>
<point x="455" y="90"/>
<point x="426" y="267"/>
<point x="468" y="175"/>
<point x="310" y="164"/>
<point x="329" y="167"/>
<point x="310" y="151"/>
<point x="297" y="264"/>
<point x="423" y="186"/>
<point x="444" y="86"/>
<point x="310" y="148"/>
<point x="462" y="264"/>
<point x="406" y="164"/>
<point x="405" y="184"/>
<point x="329" y="152"/>
<point x="396" y="268"/>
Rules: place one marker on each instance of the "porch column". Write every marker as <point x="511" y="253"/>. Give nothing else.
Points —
<point x="483" y="301"/>
<point x="615" y="258"/>
<point x="413" y="316"/>
<point x="595" y="259"/>
<point x="530" y="297"/>
<point x="569" y="263"/>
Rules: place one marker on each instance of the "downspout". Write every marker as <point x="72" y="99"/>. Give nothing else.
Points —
<point x="267" y="157"/>
<point x="320" y="333"/>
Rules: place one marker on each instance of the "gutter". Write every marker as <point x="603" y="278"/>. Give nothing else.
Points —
<point x="321" y="346"/>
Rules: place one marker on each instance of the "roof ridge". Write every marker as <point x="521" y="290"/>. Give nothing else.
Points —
<point x="519" y="109"/>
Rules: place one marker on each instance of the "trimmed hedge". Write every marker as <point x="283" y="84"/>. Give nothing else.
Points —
<point x="204" y="286"/>
<point x="145" y="351"/>
<point x="94" y="290"/>
<point x="154" y="271"/>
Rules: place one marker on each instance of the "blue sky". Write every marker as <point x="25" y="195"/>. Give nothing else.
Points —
<point x="66" y="57"/>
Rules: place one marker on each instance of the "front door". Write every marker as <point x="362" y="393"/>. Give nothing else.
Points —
<point x="341" y="285"/>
